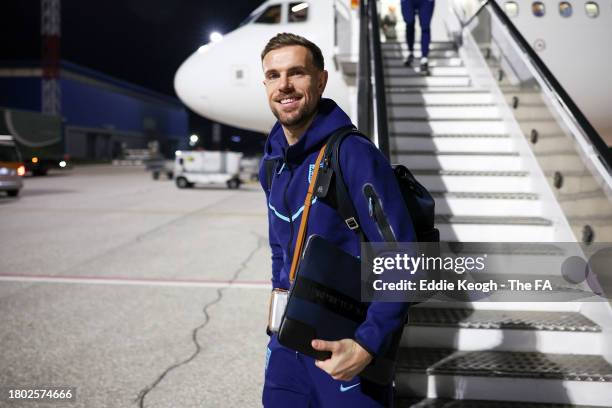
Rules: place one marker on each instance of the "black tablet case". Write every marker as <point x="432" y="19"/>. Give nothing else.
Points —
<point x="325" y="303"/>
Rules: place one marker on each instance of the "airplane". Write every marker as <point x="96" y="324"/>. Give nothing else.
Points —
<point x="503" y="155"/>
<point x="470" y="135"/>
<point x="222" y="80"/>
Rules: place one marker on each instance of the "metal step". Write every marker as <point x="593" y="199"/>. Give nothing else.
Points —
<point x="476" y="161"/>
<point x="487" y="173"/>
<point x="504" y="376"/>
<point x="493" y="220"/>
<point x="498" y="319"/>
<point x="435" y="127"/>
<point x="429" y="98"/>
<point x="491" y="205"/>
<point x="474" y="232"/>
<point x="413" y="89"/>
<point x="444" y="113"/>
<point x="449" y="403"/>
<point x="427" y="81"/>
<point x="484" y="196"/>
<point x="505" y="330"/>
<point x="501" y="143"/>
<point x="462" y="136"/>
<point x="434" y="45"/>
<point x="483" y="229"/>
<point x="474" y="182"/>
<point x="403" y="53"/>
<point x="434" y="71"/>
<point x="433" y="62"/>
<point x="440" y="89"/>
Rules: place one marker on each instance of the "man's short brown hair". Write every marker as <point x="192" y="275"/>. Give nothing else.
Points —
<point x="282" y="40"/>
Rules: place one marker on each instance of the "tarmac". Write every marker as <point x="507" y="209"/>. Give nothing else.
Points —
<point x="132" y="291"/>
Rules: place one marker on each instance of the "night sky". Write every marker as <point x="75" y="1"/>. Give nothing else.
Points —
<point x="140" y="41"/>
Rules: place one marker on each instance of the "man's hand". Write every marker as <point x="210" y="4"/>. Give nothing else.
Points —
<point x="348" y="358"/>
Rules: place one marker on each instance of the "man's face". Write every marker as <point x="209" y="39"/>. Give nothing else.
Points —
<point x="293" y="84"/>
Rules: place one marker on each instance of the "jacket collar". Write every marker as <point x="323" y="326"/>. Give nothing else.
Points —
<point x="328" y="119"/>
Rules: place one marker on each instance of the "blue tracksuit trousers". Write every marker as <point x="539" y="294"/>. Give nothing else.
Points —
<point x="425" y="10"/>
<point x="293" y="381"/>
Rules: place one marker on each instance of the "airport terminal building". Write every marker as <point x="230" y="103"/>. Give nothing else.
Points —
<point x="101" y="115"/>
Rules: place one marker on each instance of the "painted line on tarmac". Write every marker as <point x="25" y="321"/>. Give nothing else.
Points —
<point x="120" y="280"/>
<point x="261" y="214"/>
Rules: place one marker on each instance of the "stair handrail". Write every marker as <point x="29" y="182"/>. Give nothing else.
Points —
<point x="379" y="96"/>
<point x="566" y="102"/>
<point x="372" y="105"/>
<point x="364" y="99"/>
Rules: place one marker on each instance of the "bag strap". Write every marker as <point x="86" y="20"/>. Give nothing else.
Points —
<point x="344" y="202"/>
<point x="330" y="152"/>
<point x="307" y="203"/>
<point x="346" y="208"/>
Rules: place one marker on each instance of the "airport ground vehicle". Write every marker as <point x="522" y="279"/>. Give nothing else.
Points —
<point x="12" y="168"/>
<point x="39" y="138"/>
<point x="249" y="168"/>
<point x="205" y="167"/>
<point x="159" y="164"/>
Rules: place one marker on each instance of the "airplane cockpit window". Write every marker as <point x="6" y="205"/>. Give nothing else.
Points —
<point x="298" y="12"/>
<point x="565" y="9"/>
<point x="271" y="15"/>
<point x="592" y="9"/>
<point x="511" y="8"/>
<point x="248" y="19"/>
<point x="537" y="7"/>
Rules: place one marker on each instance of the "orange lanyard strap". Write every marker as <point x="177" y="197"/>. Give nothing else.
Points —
<point x="302" y="231"/>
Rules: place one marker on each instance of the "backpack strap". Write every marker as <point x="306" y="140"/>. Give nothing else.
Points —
<point x="346" y="208"/>
<point x="344" y="202"/>
<point x="331" y="166"/>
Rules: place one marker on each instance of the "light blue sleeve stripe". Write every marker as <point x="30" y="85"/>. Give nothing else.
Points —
<point x="279" y="215"/>
<point x="268" y="355"/>
<point x="294" y="216"/>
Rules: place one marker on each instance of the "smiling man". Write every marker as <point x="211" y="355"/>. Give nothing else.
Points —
<point x="295" y="78"/>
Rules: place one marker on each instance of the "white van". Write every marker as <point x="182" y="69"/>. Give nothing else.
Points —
<point x="12" y="168"/>
<point x="206" y="167"/>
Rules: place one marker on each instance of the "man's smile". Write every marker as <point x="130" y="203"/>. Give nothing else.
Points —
<point x="289" y="102"/>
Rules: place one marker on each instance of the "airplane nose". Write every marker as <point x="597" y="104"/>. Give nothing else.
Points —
<point x="189" y="82"/>
<point x="223" y="82"/>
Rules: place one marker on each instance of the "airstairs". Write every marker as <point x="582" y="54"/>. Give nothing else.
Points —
<point x="452" y="136"/>
<point x="467" y="132"/>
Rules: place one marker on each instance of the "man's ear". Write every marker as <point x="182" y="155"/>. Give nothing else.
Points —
<point x="323" y="76"/>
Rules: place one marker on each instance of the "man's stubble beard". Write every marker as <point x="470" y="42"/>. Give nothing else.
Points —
<point x="302" y="117"/>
